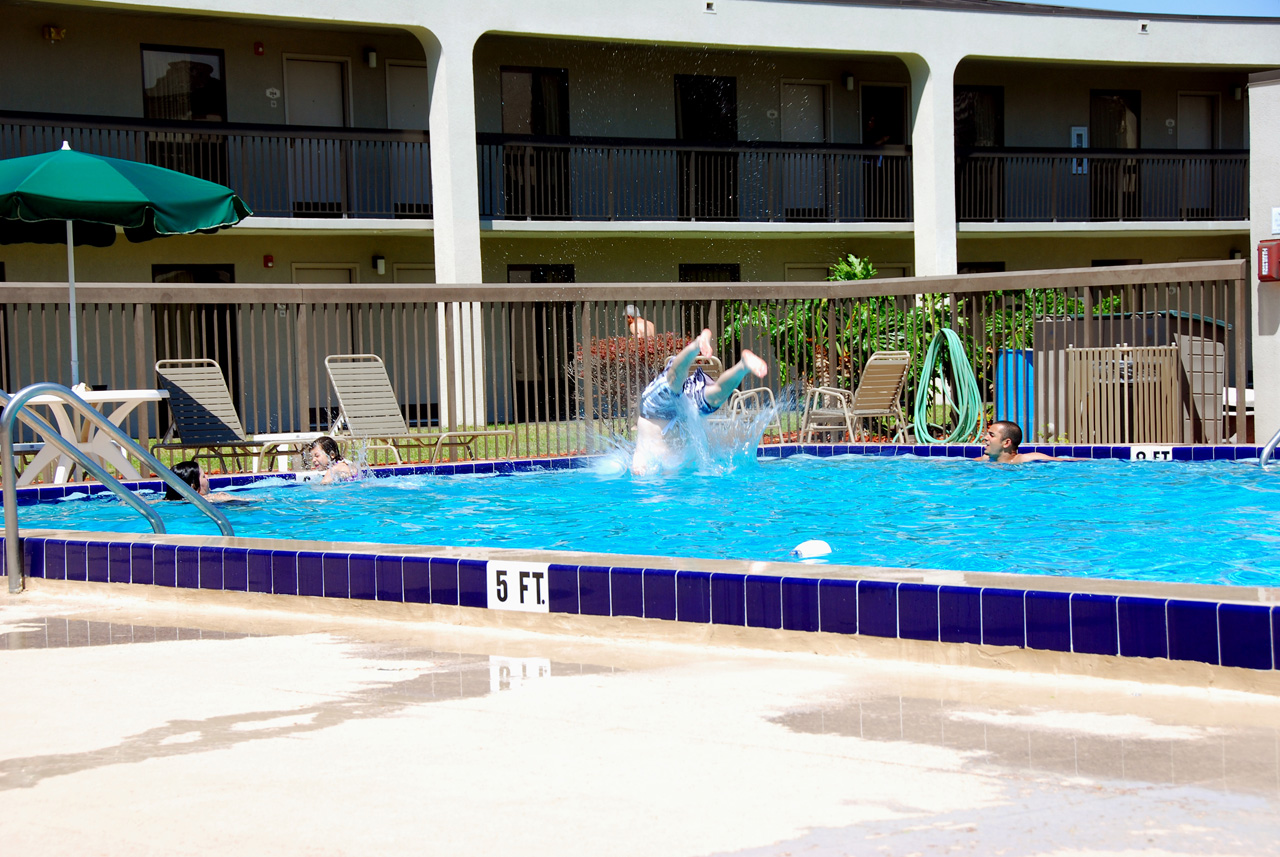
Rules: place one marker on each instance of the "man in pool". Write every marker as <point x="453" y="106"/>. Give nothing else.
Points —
<point x="677" y="391"/>
<point x="1002" y="441"/>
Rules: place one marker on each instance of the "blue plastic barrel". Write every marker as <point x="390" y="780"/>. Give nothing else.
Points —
<point x="1016" y="388"/>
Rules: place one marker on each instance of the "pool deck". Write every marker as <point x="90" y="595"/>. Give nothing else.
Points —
<point x="194" y="725"/>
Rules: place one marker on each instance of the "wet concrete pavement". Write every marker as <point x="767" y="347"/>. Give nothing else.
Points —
<point x="144" y="728"/>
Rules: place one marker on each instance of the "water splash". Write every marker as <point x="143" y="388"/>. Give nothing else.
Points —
<point x="717" y="445"/>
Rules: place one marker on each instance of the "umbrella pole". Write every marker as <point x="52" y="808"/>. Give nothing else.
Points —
<point x="71" y="288"/>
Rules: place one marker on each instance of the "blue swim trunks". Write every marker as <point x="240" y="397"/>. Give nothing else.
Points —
<point x="660" y="402"/>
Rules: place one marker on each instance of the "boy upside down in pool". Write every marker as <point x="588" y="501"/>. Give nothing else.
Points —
<point x="677" y="391"/>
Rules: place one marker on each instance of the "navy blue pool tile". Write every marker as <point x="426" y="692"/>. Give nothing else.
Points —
<point x="959" y="614"/>
<point x="593" y="591"/>
<point x="1244" y="636"/>
<point x="389" y="578"/>
<point x="418" y="586"/>
<point x="235" y="569"/>
<point x="53" y="492"/>
<point x="210" y="567"/>
<point x="483" y="467"/>
<point x="877" y="608"/>
<point x="77" y="564"/>
<point x="838" y="606"/>
<point x="918" y="611"/>
<point x="1193" y="631"/>
<point x="1224" y="453"/>
<point x="118" y="563"/>
<point x="1275" y="637"/>
<point x="728" y="599"/>
<point x="800" y="604"/>
<point x="284" y="572"/>
<point x="311" y="573"/>
<point x="164" y="565"/>
<point x="360" y="577"/>
<point x="55" y="559"/>
<point x="1142" y="628"/>
<point x="33" y="556"/>
<point x="923" y="450"/>
<point x="141" y="563"/>
<point x="1048" y="620"/>
<point x="1078" y="452"/>
<point x="440" y="588"/>
<point x="693" y="596"/>
<point x="472" y="591"/>
<point x="335" y="576"/>
<point x="1202" y="453"/>
<point x="562" y="464"/>
<point x="1182" y="453"/>
<point x="95" y="560"/>
<point x="1004" y="617"/>
<point x="563" y="588"/>
<point x="258" y="570"/>
<point x="1093" y="624"/>
<point x="626" y="591"/>
<point x="659" y="593"/>
<point x="187" y="566"/>
<point x="764" y="601"/>
<point x="1122" y="453"/>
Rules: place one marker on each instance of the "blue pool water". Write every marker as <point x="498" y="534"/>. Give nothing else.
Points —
<point x="1205" y="522"/>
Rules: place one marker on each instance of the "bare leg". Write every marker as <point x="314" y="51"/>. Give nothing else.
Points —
<point x="718" y="392"/>
<point x="680" y="366"/>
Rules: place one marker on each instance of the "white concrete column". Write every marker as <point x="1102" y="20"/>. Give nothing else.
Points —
<point x="933" y="177"/>
<point x="1264" y="195"/>
<point x="455" y="202"/>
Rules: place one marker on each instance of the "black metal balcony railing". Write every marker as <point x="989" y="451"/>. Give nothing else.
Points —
<point x="583" y="178"/>
<point x="294" y="171"/>
<point x="1038" y="185"/>
<point x="289" y="171"/>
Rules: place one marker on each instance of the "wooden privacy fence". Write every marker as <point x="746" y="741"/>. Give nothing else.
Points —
<point x="559" y="365"/>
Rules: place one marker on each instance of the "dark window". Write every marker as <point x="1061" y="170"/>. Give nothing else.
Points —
<point x="884" y="115"/>
<point x="710" y="273"/>
<point x="695" y="315"/>
<point x="183" y="83"/>
<point x="979" y="116"/>
<point x="980" y="268"/>
<point x="707" y="115"/>
<point x="535" y="101"/>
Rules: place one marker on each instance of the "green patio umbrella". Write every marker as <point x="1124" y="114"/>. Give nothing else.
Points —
<point x="77" y="198"/>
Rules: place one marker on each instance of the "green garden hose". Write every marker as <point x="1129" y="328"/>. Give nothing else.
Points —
<point x="969" y="409"/>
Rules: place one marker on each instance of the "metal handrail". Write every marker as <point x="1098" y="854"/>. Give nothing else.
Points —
<point x="8" y="470"/>
<point x="1269" y="451"/>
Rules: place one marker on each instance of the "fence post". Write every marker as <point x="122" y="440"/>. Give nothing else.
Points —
<point x="588" y="377"/>
<point x="304" y="366"/>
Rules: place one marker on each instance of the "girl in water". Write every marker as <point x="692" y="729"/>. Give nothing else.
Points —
<point x="327" y="458"/>
<point x="191" y="473"/>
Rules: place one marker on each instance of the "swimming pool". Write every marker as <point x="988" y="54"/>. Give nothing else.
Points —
<point x="1204" y="522"/>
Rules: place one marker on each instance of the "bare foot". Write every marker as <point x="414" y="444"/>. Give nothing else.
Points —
<point x="704" y="342"/>
<point x="755" y="363"/>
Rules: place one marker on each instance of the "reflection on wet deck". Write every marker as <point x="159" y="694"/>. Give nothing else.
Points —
<point x="1063" y="742"/>
<point x="55" y="632"/>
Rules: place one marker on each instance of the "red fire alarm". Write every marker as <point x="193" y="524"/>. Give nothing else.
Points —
<point x="268" y="261"/>
<point x="1269" y="260"/>
<point x="259" y="49"/>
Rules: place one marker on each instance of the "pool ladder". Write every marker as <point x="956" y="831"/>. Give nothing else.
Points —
<point x="13" y="410"/>
<point x="1269" y="451"/>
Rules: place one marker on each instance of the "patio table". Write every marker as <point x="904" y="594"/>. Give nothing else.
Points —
<point x="116" y="405"/>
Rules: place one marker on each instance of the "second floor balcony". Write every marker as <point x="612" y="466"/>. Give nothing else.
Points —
<point x="304" y="172"/>
<point x="582" y="178"/>
<point x="279" y="171"/>
<point x="1032" y="185"/>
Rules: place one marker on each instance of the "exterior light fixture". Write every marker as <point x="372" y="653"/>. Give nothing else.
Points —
<point x="847" y="80"/>
<point x="53" y="33"/>
<point x="371" y="57"/>
<point x="380" y="264"/>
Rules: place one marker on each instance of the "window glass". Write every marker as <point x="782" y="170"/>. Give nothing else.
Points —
<point x="184" y="84"/>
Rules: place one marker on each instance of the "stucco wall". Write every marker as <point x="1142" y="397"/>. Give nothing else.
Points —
<point x="97" y="69"/>
<point x="623" y="90"/>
